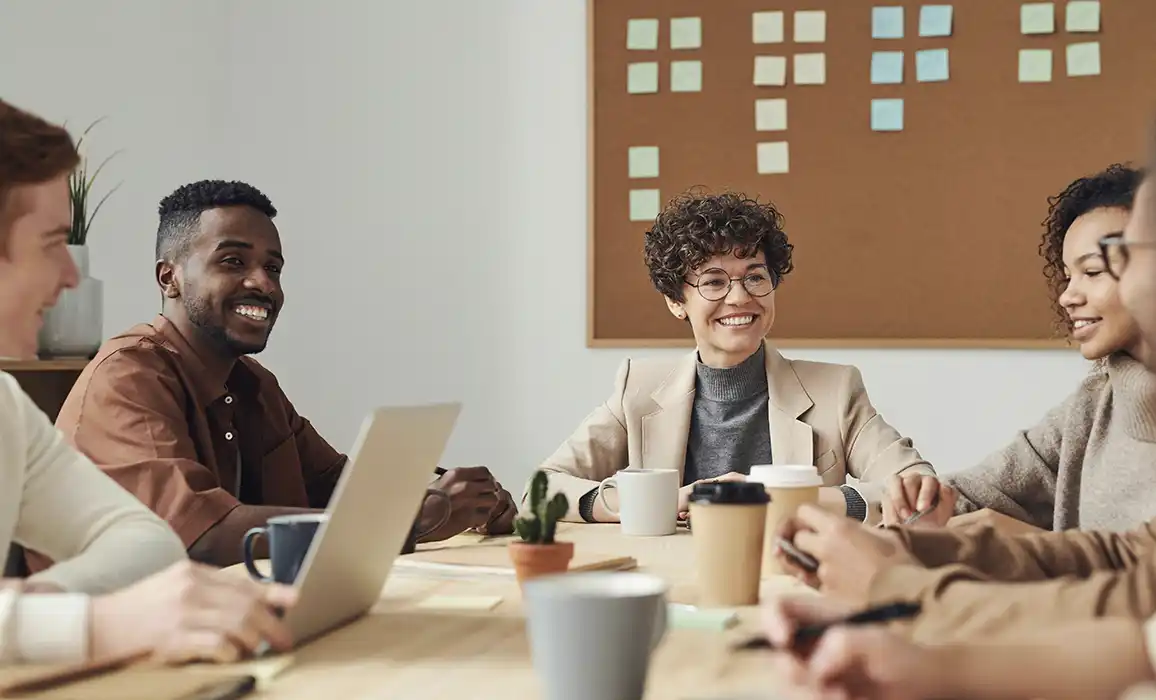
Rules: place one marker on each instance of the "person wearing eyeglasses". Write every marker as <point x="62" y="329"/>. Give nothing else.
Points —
<point x="734" y="401"/>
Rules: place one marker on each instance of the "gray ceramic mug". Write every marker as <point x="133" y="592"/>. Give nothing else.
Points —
<point x="290" y="537"/>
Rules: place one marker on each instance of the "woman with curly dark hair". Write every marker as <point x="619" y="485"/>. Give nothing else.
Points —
<point x="1088" y="463"/>
<point x="734" y="402"/>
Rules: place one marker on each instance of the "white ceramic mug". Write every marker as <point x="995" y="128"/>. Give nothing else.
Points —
<point x="647" y="501"/>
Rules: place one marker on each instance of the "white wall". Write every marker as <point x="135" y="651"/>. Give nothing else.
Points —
<point x="431" y="180"/>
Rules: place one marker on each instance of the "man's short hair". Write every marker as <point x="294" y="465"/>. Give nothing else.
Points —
<point x="180" y="212"/>
<point x="32" y="151"/>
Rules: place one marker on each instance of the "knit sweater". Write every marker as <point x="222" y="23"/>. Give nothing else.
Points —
<point x="1089" y="464"/>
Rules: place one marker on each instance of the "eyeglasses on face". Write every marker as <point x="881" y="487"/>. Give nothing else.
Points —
<point x="715" y="284"/>
<point x="1117" y="252"/>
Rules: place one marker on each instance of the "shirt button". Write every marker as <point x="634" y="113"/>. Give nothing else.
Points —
<point x="229" y="436"/>
<point x="228" y="399"/>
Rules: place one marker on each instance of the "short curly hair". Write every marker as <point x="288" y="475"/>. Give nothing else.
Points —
<point x="180" y="212"/>
<point x="1113" y="188"/>
<point x="694" y="227"/>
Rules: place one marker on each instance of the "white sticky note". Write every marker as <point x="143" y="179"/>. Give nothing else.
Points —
<point x="1084" y="59"/>
<point x="886" y="67"/>
<point x="770" y="70"/>
<point x="935" y="20"/>
<point x="773" y="158"/>
<point x="642" y="34"/>
<point x="771" y="115"/>
<point x="767" y="27"/>
<point x="686" y="33"/>
<point x="931" y="65"/>
<point x="810" y="68"/>
<point x="1035" y="65"/>
<point x="644" y="205"/>
<point x="461" y="602"/>
<point x="642" y="78"/>
<point x="1037" y="18"/>
<point x="887" y="115"/>
<point x="1082" y="16"/>
<point x="810" y="26"/>
<point x="686" y="76"/>
<point x="887" y="22"/>
<point x="643" y="161"/>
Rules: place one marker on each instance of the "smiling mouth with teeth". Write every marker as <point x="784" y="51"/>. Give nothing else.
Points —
<point x="737" y="321"/>
<point x="1084" y="323"/>
<point x="255" y="313"/>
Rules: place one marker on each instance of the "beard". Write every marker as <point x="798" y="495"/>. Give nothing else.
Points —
<point x="212" y="328"/>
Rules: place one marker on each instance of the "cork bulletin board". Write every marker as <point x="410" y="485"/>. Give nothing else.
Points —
<point x="913" y="183"/>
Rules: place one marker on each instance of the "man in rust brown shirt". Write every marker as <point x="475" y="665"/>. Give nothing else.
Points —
<point x="177" y="413"/>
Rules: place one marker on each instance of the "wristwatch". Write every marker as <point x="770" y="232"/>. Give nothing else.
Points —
<point x="856" y="505"/>
<point x="586" y="505"/>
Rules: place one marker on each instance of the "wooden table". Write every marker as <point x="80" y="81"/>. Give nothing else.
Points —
<point x="403" y="651"/>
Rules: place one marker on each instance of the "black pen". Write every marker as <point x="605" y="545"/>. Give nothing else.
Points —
<point x="809" y="633"/>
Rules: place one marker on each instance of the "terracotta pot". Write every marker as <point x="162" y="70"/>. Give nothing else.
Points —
<point x="531" y="560"/>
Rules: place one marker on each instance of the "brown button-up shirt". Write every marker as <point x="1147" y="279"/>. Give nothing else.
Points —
<point x="192" y="450"/>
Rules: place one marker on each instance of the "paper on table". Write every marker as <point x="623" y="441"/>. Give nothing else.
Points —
<point x="887" y="115"/>
<point x="643" y="161"/>
<point x="644" y="205"/>
<point x="767" y="27"/>
<point x="461" y="602"/>
<point x="692" y="617"/>
<point x="773" y="158"/>
<point x="686" y="33"/>
<point x="1035" y="65"/>
<point x="887" y="22"/>
<point x="935" y="20"/>
<point x="642" y="34"/>
<point x="642" y="78"/>
<point x="1037" y="18"/>
<point x="686" y="76"/>
<point x="770" y="70"/>
<point x="1084" y="59"/>
<point x="810" y="26"/>
<point x="1082" y="16"/>
<point x="931" y="65"/>
<point x="771" y="115"/>
<point x="810" y="68"/>
<point x="887" y="67"/>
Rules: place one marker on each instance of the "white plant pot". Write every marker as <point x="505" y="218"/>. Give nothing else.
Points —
<point x="74" y="327"/>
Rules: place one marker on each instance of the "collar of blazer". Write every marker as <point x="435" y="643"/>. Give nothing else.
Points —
<point x="666" y="429"/>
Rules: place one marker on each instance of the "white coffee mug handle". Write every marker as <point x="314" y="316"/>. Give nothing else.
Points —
<point x="659" y="624"/>
<point x="610" y="483"/>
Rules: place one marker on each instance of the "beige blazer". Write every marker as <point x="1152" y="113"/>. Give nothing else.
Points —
<point x="819" y="414"/>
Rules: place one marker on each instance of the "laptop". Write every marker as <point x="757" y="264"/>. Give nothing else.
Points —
<point x="373" y="507"/>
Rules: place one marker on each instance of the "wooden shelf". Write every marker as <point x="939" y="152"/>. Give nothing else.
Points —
<point x="59" y="364"/>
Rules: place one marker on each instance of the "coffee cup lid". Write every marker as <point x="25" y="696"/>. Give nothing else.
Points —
<point x="785" y="475"/>
<point x="730" y="492"/>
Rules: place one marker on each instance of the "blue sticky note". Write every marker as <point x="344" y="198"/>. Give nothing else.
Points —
<point x="887" y="115"/>
<point x="935" y="20"/>
<point x="887" y="67"/>
<point x="931" y="65"/>
<point x="887" y="22"/>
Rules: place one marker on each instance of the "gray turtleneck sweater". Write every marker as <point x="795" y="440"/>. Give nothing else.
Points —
<point x="729" y="425"/>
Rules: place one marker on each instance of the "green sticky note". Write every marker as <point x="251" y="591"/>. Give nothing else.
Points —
<point x="887" y="67"/>
<point x="686" y="76"/>
<point x="887" y="23"/>
<point x="642" y="34"/>
<point x="1035" y="65"/>
<point x="644" y="205"/>
<point x="935" y="20"/>
<point x="887" y="115"/>
<point x="692" y="617"/>
<point x="931" y="65"/>
<point x="643" y="161"/>
<point x="642" y="78"/>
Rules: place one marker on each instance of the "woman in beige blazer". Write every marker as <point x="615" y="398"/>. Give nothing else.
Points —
<point x="734" y="401"/>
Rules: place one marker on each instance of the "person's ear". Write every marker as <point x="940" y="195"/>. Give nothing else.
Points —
<point x="676" y="308"/>
<point x="167" y="279"/>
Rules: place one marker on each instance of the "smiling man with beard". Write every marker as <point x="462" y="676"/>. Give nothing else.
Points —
<point x="178" y="414"/>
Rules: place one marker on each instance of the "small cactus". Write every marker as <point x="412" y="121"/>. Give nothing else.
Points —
<point x="539" y="525"/>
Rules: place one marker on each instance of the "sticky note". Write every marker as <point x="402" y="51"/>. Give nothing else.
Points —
<point x="770" y="70"/>
<point x="931" y="65"/>
<point x="1037" y="18"/>
<point x="773" y="158"/>
<point x="767" y="27"/>
<point x="886" y="67"/>
<point x="887" y="22"/>
<point x="887" y="115"/>
<point x="810" y="68"/>
<point x="771" y="115"/>
<point x="810" y="26"/>
<point x="642" y="34"/>
<point x="461" y="602"/>
<point x="686" y="76"/>
<point x="686" y="33"/>
<point x="1035" y="65"/>
<point x="693" y="617"/>
<point x="643" y="161"/>
<point x="1082" y="16"/>
<point x="644" y="205"/>
<point x="642" y="78"/>
<point x="1084" y="59"/>
<point x="935" y="20"/>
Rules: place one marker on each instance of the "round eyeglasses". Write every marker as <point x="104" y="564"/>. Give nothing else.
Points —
<point x="715" y="284"/>
<point x="1117" y="252"/>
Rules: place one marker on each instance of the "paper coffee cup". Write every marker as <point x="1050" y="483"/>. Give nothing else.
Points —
<point x="789" y="486"/>
<point x="728" y="527"/>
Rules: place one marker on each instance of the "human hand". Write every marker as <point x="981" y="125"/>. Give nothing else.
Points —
<point x="191" y="612"/>
<point x="850" y="554"/>
<point x="685" y="492"/>
<point x="870" y="663"/>
<point x="784" y="615"/>
<point x="470" y="495"/>
<point x="991" y="518"/>
<point x="501" y="520"/>
<point x="908" y="494"/>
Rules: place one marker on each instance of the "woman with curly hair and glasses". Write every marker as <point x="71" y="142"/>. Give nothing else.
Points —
<point x="1088" y="463"/>
<point x="734" y="401"/>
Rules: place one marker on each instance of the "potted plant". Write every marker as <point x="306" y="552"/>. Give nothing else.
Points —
<point x="74" y="327"/>
<point x="538" y="553"/>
